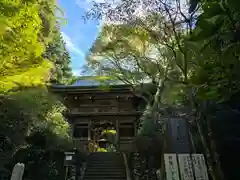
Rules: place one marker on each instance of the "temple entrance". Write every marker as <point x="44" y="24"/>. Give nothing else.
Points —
<point x="104" y="136"/>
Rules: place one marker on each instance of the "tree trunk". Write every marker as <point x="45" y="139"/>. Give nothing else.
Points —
<point x="215" y="170"/>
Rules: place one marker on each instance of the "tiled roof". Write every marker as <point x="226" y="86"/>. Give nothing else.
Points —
<point x="84" y="82"/>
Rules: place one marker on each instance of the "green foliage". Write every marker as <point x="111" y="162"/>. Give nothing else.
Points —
<point x="124" y="53"/>
<point x="41" y="164"/>
<point x="30" y="110"/>
<point x="204" y="58"/>
<point x="25" y="53"/>
<point x="20" y="47"/>
<point x="101" y="150"/>
<point x="57" y="53"/>
<point x="32" y="126"/>
<point x="110" y="131"/>
<point x="142" y="168"/>
<point x="110" y="136"/>
<point x="217" y="75"/>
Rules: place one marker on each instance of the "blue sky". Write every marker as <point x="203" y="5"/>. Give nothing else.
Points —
<point x="77" y="34"/>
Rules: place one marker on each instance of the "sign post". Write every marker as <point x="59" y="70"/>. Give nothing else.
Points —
<point x="69" y="161"/>
<point x="179" y="162"/>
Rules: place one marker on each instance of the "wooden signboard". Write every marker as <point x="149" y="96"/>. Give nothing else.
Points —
<point x="199" y="165"/>
<point x="185" y="167"/>
<point x="171" y="166"/>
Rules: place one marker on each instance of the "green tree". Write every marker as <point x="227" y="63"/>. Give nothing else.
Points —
<point x="57" y="53"/>
<point x="22" y="44"/>
<point x="27" y="109"/>
<point x="31" y="110"/>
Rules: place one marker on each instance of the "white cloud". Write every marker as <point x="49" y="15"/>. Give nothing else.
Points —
<point x="76" y="72"/>
<point x="70" y="46"/>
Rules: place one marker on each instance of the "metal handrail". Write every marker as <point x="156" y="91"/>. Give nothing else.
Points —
<point x="128" y="173"/>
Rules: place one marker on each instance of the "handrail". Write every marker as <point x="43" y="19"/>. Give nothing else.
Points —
<point x="128" y="173"/>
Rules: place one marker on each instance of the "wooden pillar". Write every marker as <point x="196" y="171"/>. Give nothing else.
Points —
<point x="72" y="126"/>
<point x="117" y="124"/>
<point x="118" y="138"/>
<point x="135" y="127"/>
<point x="89" y="129"/>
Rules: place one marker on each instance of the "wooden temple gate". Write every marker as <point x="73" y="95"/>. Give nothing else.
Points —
<point x="88" y="106"/>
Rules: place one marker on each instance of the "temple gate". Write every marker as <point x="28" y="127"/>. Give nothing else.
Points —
<point x="91" y="105"/>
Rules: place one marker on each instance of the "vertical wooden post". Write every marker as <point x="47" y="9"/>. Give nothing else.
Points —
<point x="89" y="136"/>
<point x="135" y="127"/>
<point x="118" y="138"/>
<point x="89" y="129"/>
<point x="66" y="173"/>
<point x="72" y="128"/>
<point x="117" y="124"/>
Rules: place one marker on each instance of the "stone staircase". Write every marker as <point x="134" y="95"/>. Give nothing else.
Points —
<point x="105" y="166"/>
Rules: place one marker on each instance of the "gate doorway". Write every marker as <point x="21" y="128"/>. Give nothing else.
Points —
<point x="104" y="136"/>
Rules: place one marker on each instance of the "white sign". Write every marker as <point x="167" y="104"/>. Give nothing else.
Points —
<point x="171" y="166"/>
<point x="68" y="158"/>
<point x="185" y="166"/>
<point x="199" y="166"/>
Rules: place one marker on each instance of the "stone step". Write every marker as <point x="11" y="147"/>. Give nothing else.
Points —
<point x="104" y="177"/>
<point x="105" y="166"/>
<point x="97" y="177"/>
<point x="107" y="163"/>
<point x="104" y="160"/>
<point x="102" y="167"/>
<point x="105" y="170"/>
<point x="111" y="167"/>
<point x="100" y="178"/>
<point x="102" y="157"/>
<point x="87" y="173"/>
<point x="105" y="155"/>
<point x="105" y="174"/>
